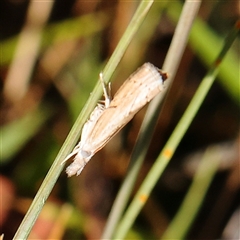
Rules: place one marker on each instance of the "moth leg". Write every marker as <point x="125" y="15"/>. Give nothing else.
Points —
<point x="106" y="92"/>
<point x="74" y="152"/>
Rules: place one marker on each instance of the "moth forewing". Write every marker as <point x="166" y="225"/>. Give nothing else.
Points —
<point x="140" y="88"/>
<point x="147" y="79"/>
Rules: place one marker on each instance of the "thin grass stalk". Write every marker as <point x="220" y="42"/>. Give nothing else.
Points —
<point x="195" y="196"/>
<point x="171" y="64"/>
<point x="171" y="145"/>
<point x="127" y="37"/>
<point x="26" y="52"/>
<point x="201" y="34"/>
<point x="56" y="168"/>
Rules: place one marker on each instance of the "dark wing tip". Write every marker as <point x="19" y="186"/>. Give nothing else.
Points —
<point x="164" y="75"/>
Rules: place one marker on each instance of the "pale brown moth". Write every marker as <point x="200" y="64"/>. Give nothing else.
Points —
<point x="108" y="119"/>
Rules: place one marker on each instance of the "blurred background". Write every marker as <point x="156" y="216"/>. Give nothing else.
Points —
<point x="51" y="55"/>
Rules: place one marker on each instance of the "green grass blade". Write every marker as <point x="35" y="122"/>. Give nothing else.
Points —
<point x="55" y="170"/>
<point x="195" y="196"/>
<point x="205" y="42"/>
<point x="171" y="145"/>
<point x="171" y="64"/>
<point x="66" y="30"/>
<point x="15" y="135"/>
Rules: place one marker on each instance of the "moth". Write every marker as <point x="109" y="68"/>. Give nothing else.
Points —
<point x="109" y="118"/>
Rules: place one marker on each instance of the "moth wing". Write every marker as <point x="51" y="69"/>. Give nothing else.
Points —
<point x="136" y="92"/>
<point x="91" y="122"/>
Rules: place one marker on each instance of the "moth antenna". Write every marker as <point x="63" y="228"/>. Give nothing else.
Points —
<point x="105" y="91"/>
<point x="74" y="152"/>
<point x="110" y="90"/>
